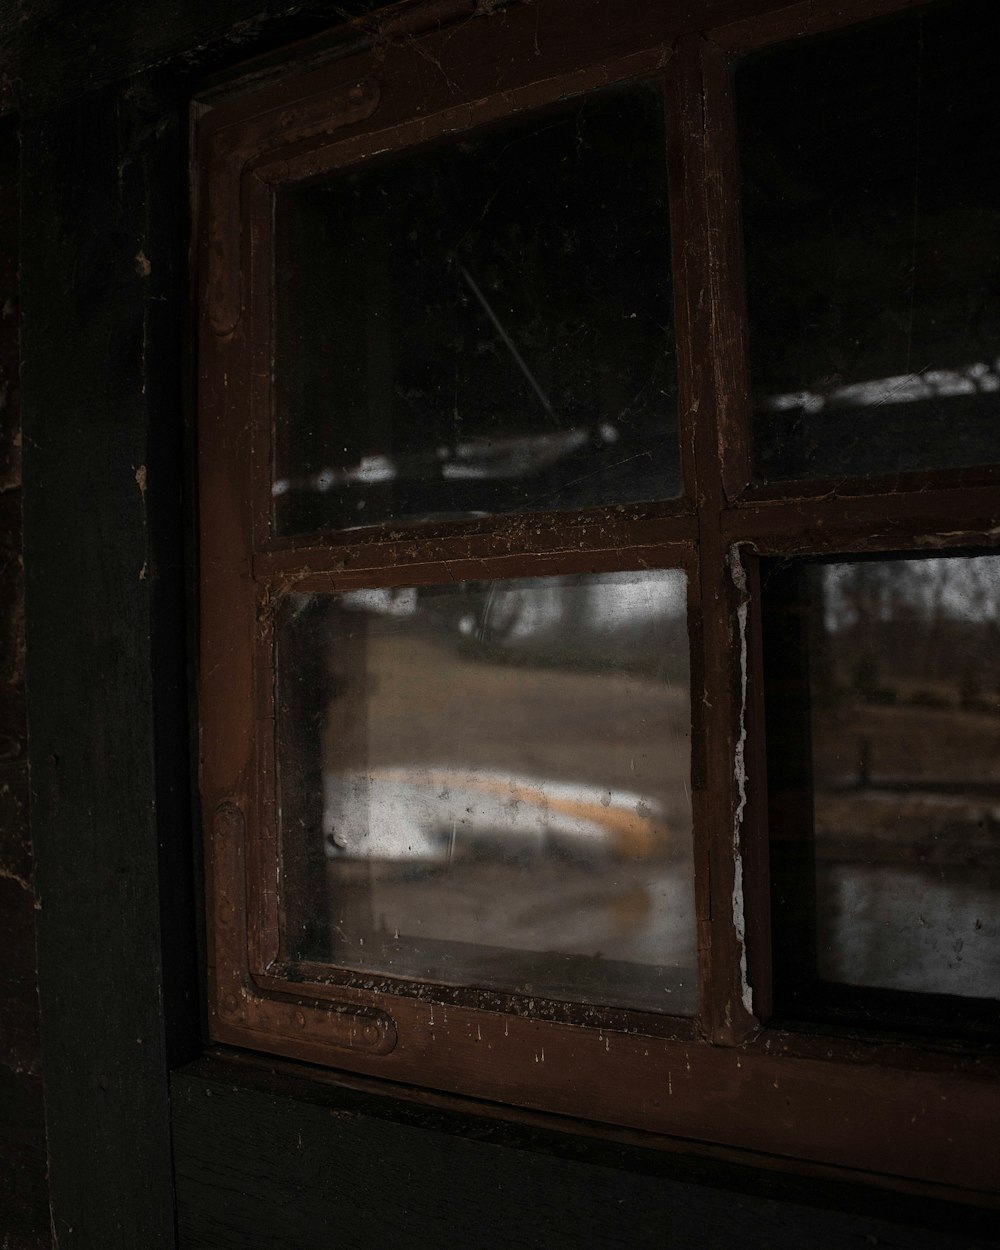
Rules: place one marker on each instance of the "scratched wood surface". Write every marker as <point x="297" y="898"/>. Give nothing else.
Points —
<point x="267" y="1160"/>
<point x="90" y="682"/>
<point x="23" y="1194"/>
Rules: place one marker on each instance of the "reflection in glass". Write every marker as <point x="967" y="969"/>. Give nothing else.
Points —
<point x="482" y="325"/>
<point x="884" y="737"/>
<point x="871" y="199"/>
<point x="488" y="784"/>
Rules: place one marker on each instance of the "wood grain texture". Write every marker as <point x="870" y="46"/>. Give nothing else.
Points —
<point x="97" y="327"/>
<point x="51" y="50"/>
<point x="268" y="1161"/>
<point x="23" y="1190"/>
<point x="24" y="1206"/>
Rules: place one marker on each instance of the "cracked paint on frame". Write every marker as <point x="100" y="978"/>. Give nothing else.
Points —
<point x="738" y="574"/>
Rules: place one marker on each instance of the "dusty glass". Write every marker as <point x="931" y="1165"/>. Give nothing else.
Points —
<point x="487" y="784"/>
<point x="483" y="325"/>
<point x="871" y="202"/>
<point x="888" y="800"/>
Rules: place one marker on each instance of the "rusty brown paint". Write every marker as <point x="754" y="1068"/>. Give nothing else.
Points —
<point x="725" y="1081"/>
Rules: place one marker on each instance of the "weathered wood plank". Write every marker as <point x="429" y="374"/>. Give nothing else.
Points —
<point x="52" y="51"/>
<point x="264" y="1160"/>
<point x="19" y="1041"/>
<point x="101" y="209"/>
<point x="24" y="1218"/>
<point x="24" y="1208"/>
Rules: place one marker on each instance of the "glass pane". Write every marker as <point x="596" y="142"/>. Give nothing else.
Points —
<point x="488" y="784"/>
<point x="871" y="197"/>
<point x="483" y="325"/>
<point x="884" y="732"/>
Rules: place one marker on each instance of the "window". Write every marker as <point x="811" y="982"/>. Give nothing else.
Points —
<point x="599" y="511"/>
<point x="883" y="778"/>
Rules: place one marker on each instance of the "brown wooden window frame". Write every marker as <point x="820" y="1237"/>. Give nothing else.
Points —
<point x="899" y="1112"/>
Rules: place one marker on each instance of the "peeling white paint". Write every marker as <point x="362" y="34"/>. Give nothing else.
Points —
<point x="738" y="574"/>
<point x="950" y="537"/>
<point x="8" y="874"/>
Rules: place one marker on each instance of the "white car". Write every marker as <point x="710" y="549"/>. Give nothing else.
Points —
<point x="438" y="814"/>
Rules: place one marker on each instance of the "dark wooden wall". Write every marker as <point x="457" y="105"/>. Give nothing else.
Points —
<point x="107" y="870"/>
<point x="139" y="1142"/>
<point x="266" y="1158"/>
<point x="23" y="1195"/>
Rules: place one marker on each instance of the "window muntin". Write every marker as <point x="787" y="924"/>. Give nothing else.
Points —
<point x="505" y="777"/>
<point x="481" y="326"/>
<point x="871" y="209"/>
